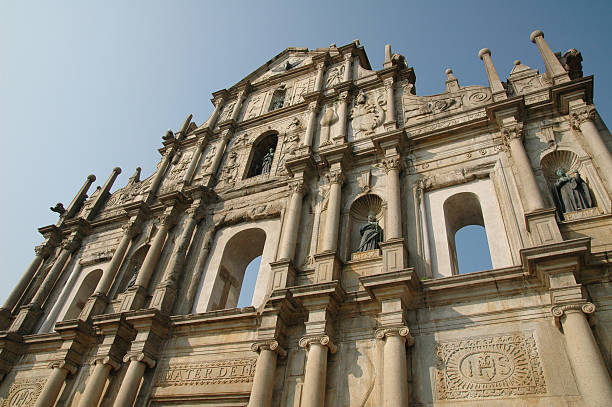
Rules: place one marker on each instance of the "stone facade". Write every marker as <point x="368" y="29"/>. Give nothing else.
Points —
<point x="131" y="299"/>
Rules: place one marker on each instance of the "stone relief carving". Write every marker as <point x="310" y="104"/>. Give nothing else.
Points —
<point x="180" y="163"/>
<point x="491" y="366"/>
<point x="368" y="114"/>
<point x="227" y="112"/>
<point x="327" y="121"/>
<point x="206" y="373"/>
<point x="334" y="76"/>
<point x="230" y="169"/>
<point x="208" y="159"/>
<point x="24" y="392"/>
<point x="255" y="105"/>
<point x="289" y="145"/>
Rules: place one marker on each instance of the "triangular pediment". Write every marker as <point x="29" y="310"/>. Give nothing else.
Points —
<point x="285" y="62"/>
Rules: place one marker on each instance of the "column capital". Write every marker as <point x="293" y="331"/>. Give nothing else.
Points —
<point x="558" y="311"/>
<point x="388" y="82"/>
<point x="107" y="360"/>
<point x="343" y="96"/>
<point x="133" y="227"/>
<point x="140" y="357"/>
<point x="324" y="340"/>
<point x="581" y="115"/>
<point x="298" y="186"/>
<point x="392" y="163"/>
<point x="321" y="65"/>
<point x="402" y="331"/>
<point x="271" y="345"/>
<point x="335" y="177"/>
<point x="513" y="131"/>
<point x="313" y="106"/>
<point x="43" y="250"/>
<point x="73" y="242"/>
<point x="70" y="367"/>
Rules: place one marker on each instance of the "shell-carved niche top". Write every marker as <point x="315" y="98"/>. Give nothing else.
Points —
<point x="421" y="109"/>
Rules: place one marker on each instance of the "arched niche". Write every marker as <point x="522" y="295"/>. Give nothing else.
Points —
<point x="132" y="268"/>
<point x="361" y="209"/>
<point x="79" y="299"/>
<point x="262" y="148"/>
<point x="234" y="247"/>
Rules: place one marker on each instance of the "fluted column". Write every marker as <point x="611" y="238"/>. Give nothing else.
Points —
<point x="312" y="123"/>
<point x="131" y="382"/>
<point x="332" y="219"/>
<point x="513" y="135"/>
<point x="319" y="78"/>
<point x="54" y="384"/>
<point x="395" y="374"/>
<point x="265" y="371"/>
<point x="585" y="357"/>
<point x="394" y="211"/>
<point x="313" y="392"/>
<point x="292" y="223"/>
<point x="554" y="69"/>
<point x="582" y="118"/>
<point x="497" y="89"/>
<point x="96" y="382"/>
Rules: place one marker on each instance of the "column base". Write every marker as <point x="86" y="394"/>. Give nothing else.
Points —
<point x="26" y="319"/>
<point x="395" y="255"/>
<point x="133" y="299"/>
<point x="283" y="274"/>
<point x="164" y="297"/>
<point x="327" y="267"/>
<point x="5" y="318"/>
<point x="542" y="224"/>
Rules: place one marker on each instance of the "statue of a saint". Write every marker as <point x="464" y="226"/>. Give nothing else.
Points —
<point x="133" y="279"/>
<point x="571" y="193"/>
<point x="266" y="164"/>
<point x="371" y="235"/>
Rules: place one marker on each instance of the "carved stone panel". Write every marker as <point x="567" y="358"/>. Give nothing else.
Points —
<point x="24" y="392"/>
<point x="207" y="373"/>
<point x="491" y="366"/>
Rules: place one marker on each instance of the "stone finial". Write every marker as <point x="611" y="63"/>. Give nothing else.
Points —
<point x="452" y="84"/>
<point x="388" y="55"/>
<point x="517" y="62"/>
<point x="483" y="52"/>
<point x="536" y="34"/>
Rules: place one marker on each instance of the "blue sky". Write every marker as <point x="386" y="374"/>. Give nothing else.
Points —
<point x="87" y="86"/>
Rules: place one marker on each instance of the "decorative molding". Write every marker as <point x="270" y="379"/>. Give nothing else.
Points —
<point x="325" y="340"/>
<point x="489" y="366"/>
<point x="207" y="373"/>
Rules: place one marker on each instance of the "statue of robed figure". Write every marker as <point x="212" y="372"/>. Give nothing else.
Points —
<point x="571" y="193"/>
<point x="266" y="164"/>
<point x="371" y="235"/>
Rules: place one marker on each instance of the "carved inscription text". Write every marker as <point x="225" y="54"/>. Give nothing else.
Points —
<point x="198" y="374"/>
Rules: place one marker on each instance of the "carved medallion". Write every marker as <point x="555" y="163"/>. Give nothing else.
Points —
<point x="24" y="392"/>
<point x="493" y="366"/>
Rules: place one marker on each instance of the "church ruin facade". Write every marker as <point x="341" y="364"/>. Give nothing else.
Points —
<point x="352" y="189"/>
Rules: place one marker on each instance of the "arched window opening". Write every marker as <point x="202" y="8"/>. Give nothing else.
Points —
<point x="88" y="285"/>
<point x="243" y="249"/>
<point x="460" y="211"/>
<point x="263" y="155"/>
<point x="472" y="249"/>
<point x="278" y="99"/>
<point x="248" y="284"/>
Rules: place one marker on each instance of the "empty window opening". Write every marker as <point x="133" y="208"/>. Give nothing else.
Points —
<point x="88" y="285"/>
<point x="263" y="155"/>
<point x="248" y="284"/>
<point x="235" y="282"/>
<point x="463" y="211"/>
<point x="472" y="249"/>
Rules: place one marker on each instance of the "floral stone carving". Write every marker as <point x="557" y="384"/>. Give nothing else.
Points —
<point x="492" y="366"/>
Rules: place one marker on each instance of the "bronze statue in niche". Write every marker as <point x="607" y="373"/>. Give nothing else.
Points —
<point x="571" y="193"/>
<point x="371" y="235"/>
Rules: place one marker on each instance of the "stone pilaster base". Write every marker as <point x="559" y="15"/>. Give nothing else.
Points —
<point x="164" y="297"/>
<point x="96" y="304"/>
<point x="542" y="224"/>
<point x="133" y="298"/>
<point x="26" y="319"/>
<point x="283" y="274"/>
<point x="395" y="255"/>
<point x="5" y="319"/>
<point x="327" y="267"/>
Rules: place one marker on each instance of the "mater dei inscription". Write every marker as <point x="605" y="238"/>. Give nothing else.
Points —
<point x="482" y="367"/>
<point x="198" y="374"/>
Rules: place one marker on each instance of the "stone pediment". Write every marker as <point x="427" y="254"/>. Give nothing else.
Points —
<point x="288" y="60"/>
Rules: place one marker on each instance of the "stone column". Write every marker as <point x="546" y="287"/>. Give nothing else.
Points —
<point x="395" y="387"/>
<point x="165" y="293"/>
<point x="43" y="251"/>
<point x="497" y="89"/>
<point x="131" y="382"/>
<point x="194" y="284"/>
<point x="587" y="363"/>
<point x="313" y="392"/>
<point x="292" y="222"/>
<point x="348" y="75"/>
<point x="582" y="118"/>
<point x="80" y="197"/>
<point x="96" y="383"/>
<point x="394" y="210"/>
<point x="225" y="136"/>
<point x="54" y="384"/>
<point x="195" y="160"/>
<point x="513" y="135"/>
<point x="212" y="120"/>
<point x="554" y="69"/>
<point x="332" y="220"/>
<point x="161" y="171"/>
<point x="388" y="82"/>
<point x="265" y="370"/>
<point x="319" y="79"/>
<point x="313" y="110"/>
<point x="238" y="105"/>
<point x="342" y="118"/>
<point x="130" y="230"/>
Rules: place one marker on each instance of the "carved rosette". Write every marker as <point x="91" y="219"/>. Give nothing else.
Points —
<point x="559" y="311"/>
<point x="401" y="331"/>
<point x="140" y="357"/>
<point x="392" y="163"/>
<point x="335" y="177"/>
<point x="582" y="115"/>
<point x="324" y="340"/>
<point x="271" y="345"/>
